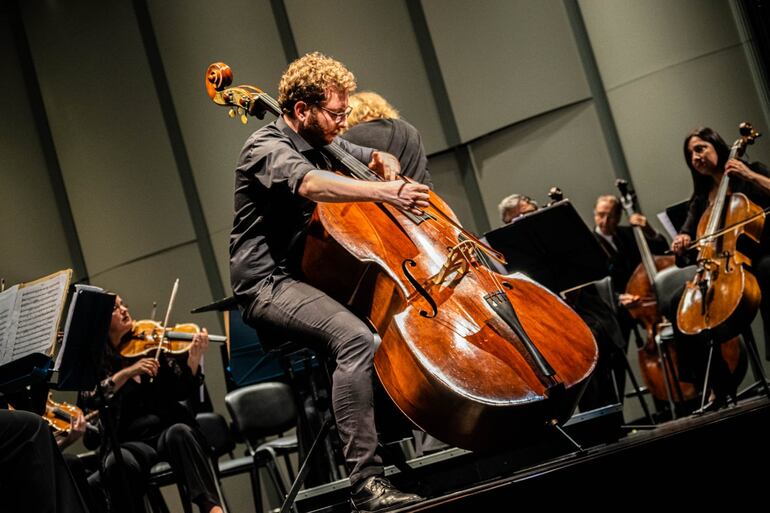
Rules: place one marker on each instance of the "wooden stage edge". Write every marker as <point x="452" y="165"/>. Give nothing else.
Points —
<point x="691" y="460"/>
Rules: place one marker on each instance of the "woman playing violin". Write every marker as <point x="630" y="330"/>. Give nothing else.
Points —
<point x="150" y="421"/>
<point x="707" y="156"/>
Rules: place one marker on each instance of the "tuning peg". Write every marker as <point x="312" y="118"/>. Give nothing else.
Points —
<point x="231" y="113"/>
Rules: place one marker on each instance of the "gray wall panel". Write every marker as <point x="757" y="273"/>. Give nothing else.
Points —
<point x="374" y="39"/>
<point x="190" y="40"/>
<point x="632" y="39"/>
<point x="655" y="114"/>
<point x="504" y="61"/>
<point x="563" y="149"/>
<point x="33" y="243"/>
<point x="108" y="130"/>
<point x="447" y="183"/>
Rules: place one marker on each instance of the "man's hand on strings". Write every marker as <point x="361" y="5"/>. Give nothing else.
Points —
<point x="385" y="164"/>
<point x="409" y="196"/>
<point x="638" y="219"/>
<point x="628" y="300"/>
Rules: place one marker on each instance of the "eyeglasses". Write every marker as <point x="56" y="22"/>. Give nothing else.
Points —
<point x="337" y="116"/>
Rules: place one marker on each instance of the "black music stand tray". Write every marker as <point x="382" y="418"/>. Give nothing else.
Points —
<point x="85" y="334"/>
<point x="553" y="246"/>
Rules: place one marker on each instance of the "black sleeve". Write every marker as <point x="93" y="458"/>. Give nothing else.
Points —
<point x="695" y="210"/>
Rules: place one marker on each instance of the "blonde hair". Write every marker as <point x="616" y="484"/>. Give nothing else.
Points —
<point x="368" y="105"/>
<point x="310" y="78"/>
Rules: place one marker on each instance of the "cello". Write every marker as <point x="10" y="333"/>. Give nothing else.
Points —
<point x="657" y="374"/>
<point x="472" y="357"/>
<point x="724" y="295"/>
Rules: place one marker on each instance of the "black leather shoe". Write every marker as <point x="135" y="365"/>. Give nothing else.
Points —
<point x="377" y="494"/>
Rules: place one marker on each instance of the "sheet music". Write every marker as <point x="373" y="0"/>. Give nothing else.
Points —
<point x="33" y="316"/>
<point x="667" y="224"/>
<point x="7" y="301"/>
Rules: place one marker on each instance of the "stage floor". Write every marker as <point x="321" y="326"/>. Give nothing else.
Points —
<point x="691" y="460"/>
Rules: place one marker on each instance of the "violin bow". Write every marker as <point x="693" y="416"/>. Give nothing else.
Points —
<point x="710" y="236"/>
<point x="164" y="327"/>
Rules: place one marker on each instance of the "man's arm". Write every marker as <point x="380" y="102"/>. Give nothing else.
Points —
<point x="324" y="186"/>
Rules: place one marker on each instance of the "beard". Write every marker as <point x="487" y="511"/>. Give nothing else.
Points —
<point x="313" y="132"/>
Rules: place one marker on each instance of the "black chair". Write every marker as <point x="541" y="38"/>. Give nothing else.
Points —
<point x="260" y="411"/>
<point x="607" y="294"/>
<point x="217" y="434"/>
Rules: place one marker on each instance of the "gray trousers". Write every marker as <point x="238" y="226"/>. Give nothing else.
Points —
<point x="286" y="309"/>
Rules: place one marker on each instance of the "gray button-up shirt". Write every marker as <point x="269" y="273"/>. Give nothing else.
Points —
<point x="270" y="216"/>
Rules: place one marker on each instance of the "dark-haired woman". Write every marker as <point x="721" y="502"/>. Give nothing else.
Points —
<point x="151" y="422"/>
<point x="707" y="156"/>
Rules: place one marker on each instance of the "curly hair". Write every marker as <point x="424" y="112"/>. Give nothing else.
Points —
<point x="309" y="78"/>
<point x="368" y="105"/>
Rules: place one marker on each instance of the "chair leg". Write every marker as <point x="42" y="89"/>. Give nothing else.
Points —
<point x="184" y="497"/>
<point x="155" y="498"/>
<point x="256" y="490"/>
<point x="288" y="503"/>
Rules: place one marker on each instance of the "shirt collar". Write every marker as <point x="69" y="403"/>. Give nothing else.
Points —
<point x="301" y="144"/>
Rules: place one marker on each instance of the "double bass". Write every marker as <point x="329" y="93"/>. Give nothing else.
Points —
<point x="724" y="295"/>
<point x="661" y="377"/>
<point x="474" y="358"/>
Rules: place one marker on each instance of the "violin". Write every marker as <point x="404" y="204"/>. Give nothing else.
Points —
<point x="147" y="337"/>
<point x="59" y="416"/>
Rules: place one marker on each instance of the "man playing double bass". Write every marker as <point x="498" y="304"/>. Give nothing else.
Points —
<point x="281" y="174"/>
<point x="624" y="253"/>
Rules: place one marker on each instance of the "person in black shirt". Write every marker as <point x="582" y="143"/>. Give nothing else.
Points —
<point x="150" y="421"/>
<point x="375" y="123"/>
<point x="707" y="157"/>
<point x="281" y="173"/>
<point x="33" y="474"/>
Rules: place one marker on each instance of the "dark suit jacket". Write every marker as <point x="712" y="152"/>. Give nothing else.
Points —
<point x="626" y="258"/>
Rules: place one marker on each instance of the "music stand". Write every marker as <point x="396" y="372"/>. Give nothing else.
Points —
<point x="677" y="213"/>
<point x="553" y="246"/>
<point x="85" y="334"/>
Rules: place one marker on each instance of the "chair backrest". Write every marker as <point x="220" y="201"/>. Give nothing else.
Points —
<point x="261" y="410"/>
<point x="668" y="284"/>
<point x="606" y="292"/>
<point x="216" y="432"/>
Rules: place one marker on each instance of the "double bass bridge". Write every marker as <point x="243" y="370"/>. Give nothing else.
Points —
<point x="457" y="262"/>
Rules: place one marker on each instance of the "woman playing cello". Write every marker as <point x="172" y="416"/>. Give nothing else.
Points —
<point x="707" y="156"/>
